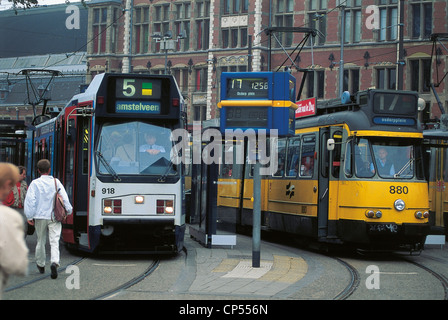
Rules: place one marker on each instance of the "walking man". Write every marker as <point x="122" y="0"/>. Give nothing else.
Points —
<point x="39" y="205"/>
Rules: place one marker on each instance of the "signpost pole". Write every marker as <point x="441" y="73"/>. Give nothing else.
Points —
<point x="256" y="224"/>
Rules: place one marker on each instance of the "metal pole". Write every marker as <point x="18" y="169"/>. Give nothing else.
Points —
<point x="341" y="62"/>
<point x="400" y="48"/>
<point x="270" y="36"/>
<point x="256" y="223"/>
<point x="127" y="38"/>
<point x="249" y="54"/>
<point x="166" y="54"/>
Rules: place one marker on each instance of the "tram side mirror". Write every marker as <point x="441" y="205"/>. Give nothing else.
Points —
<point x="421" y="104"/>
<point x="330" y="144"/>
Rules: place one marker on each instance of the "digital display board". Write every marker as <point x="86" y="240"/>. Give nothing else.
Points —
<point x="138" y="88"/>
<point x="247" y="88"/>
<point x="255" y="117"/>
<point x="258" y="100"/>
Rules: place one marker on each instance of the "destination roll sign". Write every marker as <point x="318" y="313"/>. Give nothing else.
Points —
<point x="137" y="95"/>
<point x="138" y="88"/>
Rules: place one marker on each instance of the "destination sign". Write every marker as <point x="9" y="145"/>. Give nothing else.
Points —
<point x="394" y="121"/>
<point x="151" y="107"/>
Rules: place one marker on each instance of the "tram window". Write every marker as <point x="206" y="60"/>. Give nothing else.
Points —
<point x="363" y="159"/>
<point x="324" y="159"/>
<point x="134" y="148"/>
<point x="69" y="159"/>
<point x="85" y="146"/>
<point x="281" y="151"/>
<point x="50" y="143"/>
<point x="348" y="159"/>
<point x="396" y="161"/>
<point x="228" y="157"/>
<point x="337" y="136"/>
<point x="419" y="163"/>
<point x="307" y="156"/>
<point x="292" y="163"/>
<point x="226" y="170"/>
<point x="44" y="149"/>
<point x="444" y="165"/>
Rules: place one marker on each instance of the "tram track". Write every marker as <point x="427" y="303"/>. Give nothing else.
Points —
<point x="93" y="284"/>
<point x="151" y="268"/>
<point x="354" y="281"/>
<point x="442" y="279"/>
<point x="43" y="276"/>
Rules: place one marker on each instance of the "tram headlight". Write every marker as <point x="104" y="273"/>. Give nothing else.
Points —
<point x="399" y="205"/>
<point x="165" y="206"/>
<point x="112" y="206"/>
<point x="370" y="213"/>
<point x="139" y="199"/>
<point x="169" y="210"/>
<point x="373" y="214"/>
<point x="421" y="215"/>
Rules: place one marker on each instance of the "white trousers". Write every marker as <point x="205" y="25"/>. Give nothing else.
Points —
<point x="54" y="234"/>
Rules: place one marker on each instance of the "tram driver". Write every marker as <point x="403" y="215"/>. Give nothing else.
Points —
<point x="384" y="165"/>
<point x="151" y="147"/>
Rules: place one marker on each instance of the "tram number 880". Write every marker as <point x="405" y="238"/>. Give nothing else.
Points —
<point x="398" y="190"/>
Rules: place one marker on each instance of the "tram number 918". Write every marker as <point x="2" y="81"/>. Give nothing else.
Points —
<point x="398" y="190"/>
<point x="108" y="190"/>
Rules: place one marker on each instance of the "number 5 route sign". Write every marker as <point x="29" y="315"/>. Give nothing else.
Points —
<point x="258" y="100"/>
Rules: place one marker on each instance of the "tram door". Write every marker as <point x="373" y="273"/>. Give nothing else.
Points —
<point x="76" y="175"/>
<point x="82" y="167"/>
<point x="437" y="187"/>
<point x="328" y="174"/>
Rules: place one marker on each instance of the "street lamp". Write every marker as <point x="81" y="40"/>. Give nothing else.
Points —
<point x="167" y="42"/>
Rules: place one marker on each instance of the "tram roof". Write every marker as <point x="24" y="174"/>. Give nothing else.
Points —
<point x="356" y="112"/>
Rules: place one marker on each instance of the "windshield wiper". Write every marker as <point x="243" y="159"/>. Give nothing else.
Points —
<point x="404" y="168"/>
<point x="108" y="167"/>
<point x="162" y="178"/>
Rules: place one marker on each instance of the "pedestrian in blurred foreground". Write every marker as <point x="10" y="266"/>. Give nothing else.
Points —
<point x="13" y="249"/>
<point x="16" y="197"/>
<point x="39" y="205"/>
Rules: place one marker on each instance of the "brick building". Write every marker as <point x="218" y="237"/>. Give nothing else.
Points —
<point x="214" y="37"/>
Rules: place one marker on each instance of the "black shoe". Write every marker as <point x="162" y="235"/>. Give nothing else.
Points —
<point x="41" y="269"/>
<point x="54" y="270"/>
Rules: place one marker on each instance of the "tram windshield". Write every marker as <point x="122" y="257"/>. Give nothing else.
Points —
<point x="134" y="148"/>
<point x="384" y="159"/>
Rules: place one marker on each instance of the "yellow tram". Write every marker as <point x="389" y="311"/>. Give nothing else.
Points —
<point x="352" y="173"/>
<point x="437" y="158"/>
